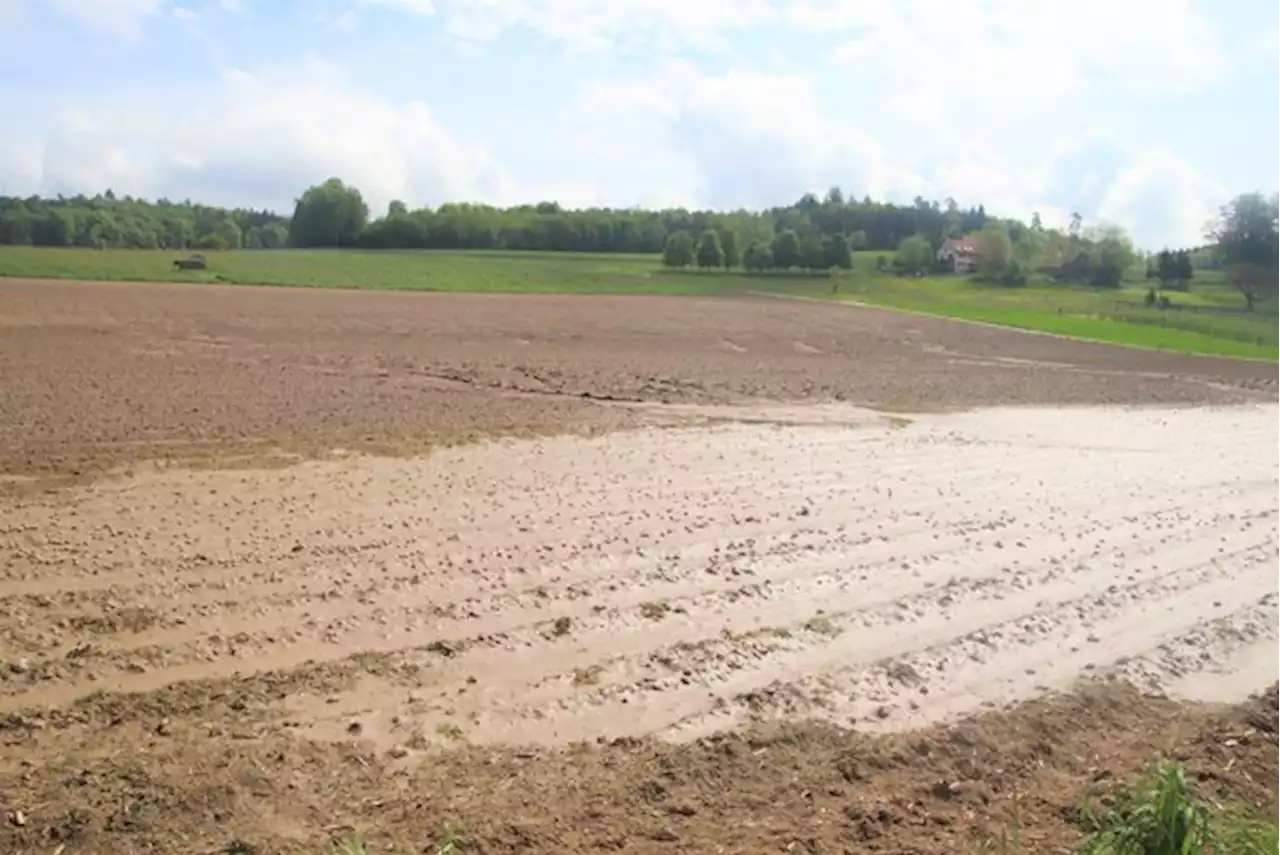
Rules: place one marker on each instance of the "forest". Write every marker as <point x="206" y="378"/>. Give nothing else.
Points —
<point x="333" y="214"/>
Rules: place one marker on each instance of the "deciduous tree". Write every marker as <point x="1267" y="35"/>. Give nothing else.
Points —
<point x="1111" y="257"/>
<point x="729" y="243"/>
<point x="678" y="250"/>
<point x="838" y="254"/>
<point x="994" y="251"/>
<point x="1245" y="236"/>
<point x="328" y="214"/>
<point x="710" y="253"/>
<point x="758" y="258"/>
<point x="786" y="249"/>
<point x="813" y="253"/>
<point x="914" y="255"/>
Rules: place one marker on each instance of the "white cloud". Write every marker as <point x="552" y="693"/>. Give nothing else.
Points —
<point x="122" y="18"/>
<point x="756" y="140"/>
<point x="940" y="52"/>
<point x="598" y="25"/>
<point x="737" y="139"/>
<point x="965" y="66"/>
<point x="417" y="7"/>
<point x="1162" y="199"/>
<point x="20" y="167"/>
<point x="125" y="19"/>
<point x="979" y="100"/>
<point x="938" y="97"/>
<point x="260" y="138"/>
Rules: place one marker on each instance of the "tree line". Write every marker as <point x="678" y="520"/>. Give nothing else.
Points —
<point x="786" y="250"/>
<point x="107" y="222"/>
<point x="334" y="214"/>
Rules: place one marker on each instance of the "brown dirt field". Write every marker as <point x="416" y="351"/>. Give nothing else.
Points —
<point x="604" y="640"/>
<point x="101" y="374"/>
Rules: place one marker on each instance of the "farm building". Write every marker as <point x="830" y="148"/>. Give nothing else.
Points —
<point x="959" y="254"/>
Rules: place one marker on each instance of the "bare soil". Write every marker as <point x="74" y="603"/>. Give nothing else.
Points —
<point x="101" y="374"/>
<point x="736" y="575"/>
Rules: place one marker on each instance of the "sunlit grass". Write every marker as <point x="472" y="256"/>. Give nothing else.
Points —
<point x="1207" y="322"/>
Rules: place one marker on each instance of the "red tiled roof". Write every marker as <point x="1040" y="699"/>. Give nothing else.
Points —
<point x="961" y="245"/>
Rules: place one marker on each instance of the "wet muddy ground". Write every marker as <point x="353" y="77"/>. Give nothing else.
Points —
<point x="257" y="586"/>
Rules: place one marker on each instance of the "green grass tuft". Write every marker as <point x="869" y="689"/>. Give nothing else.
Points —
<point x="1162" y="815"/>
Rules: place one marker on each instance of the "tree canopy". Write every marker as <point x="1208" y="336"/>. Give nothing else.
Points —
<point x="710" y="253"/>
<point x="914" y="255"/>
<point x="1245" y="238"/>
<point x="105" y="221"/>
<point x="334" y="214"/>
<point x="329" y="214"/>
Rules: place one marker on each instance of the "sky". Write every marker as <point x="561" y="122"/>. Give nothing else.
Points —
<point x="1149" y="114"/>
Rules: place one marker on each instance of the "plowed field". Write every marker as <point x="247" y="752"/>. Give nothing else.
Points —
<point x="258" y="587"/>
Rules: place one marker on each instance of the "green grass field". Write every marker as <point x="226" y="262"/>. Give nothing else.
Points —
<point x="387" y="270"/>
<point x="1207" y="320"/>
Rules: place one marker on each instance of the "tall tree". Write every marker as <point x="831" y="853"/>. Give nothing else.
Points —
<point x="1166" y="271"/>
<point x="995" y="251"/>
<point x="678" y="250"/>
<point x="327" y="215"/>
<point x="813" y="252"/>
<point x="915" y="255"/>
<point x="1111" y="257"/>
<point x="1183" y="270"/>
<point x="758" y="258"/>
<point x="838" y="254"/>
<point x="710" y="253"/>
<point x="231" y="235"/>
<point x="786" y="249"/>
<point x="1245" y="236"/>
<point x="729" y="243"/>
<point x="16" y="225"/>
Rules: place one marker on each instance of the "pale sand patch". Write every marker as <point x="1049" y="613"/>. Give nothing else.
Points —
<point x="827" y="563"/>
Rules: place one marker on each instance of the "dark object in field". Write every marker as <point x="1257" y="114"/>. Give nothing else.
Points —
<point x="195" y="262"/>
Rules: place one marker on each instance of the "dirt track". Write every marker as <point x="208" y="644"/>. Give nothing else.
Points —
<point x="745" y="562"/>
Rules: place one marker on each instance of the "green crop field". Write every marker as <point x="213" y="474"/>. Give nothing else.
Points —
<point x="399" y="270"/>
<point x="1208" y="319"/>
